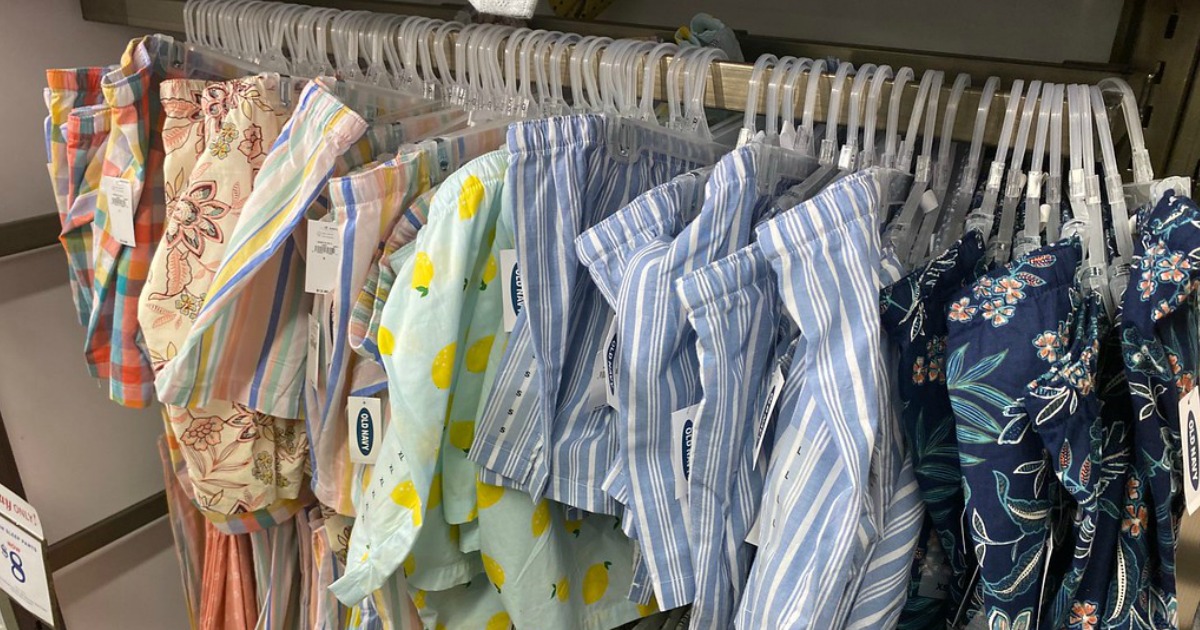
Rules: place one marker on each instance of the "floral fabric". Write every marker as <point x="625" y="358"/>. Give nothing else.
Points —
<point x="215" y="136"/>
<point x="1159" y="340"/>
<point x="996" y="346"/>
<point x="914" y="316"/>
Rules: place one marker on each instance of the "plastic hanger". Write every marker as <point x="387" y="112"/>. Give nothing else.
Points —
<point x="1118" y="272"/>
<point x="934" y="206"/>
<point x="787" y="123"/>
<point x="1015" y="176"/>
<point x="868" y="157"/>
<point x="848" y="155"/>
<point x="891" y="135"/>
<point x="806" y="135"/>
<point x="695" y="79"/>
<point x="954" y="222"/>
<point x="558" y="104"/>
<point x="1030" y="238"/>
<point x="983" y="217"/>
<point x="771" y="113"/>
<point x="908" y="228"/>
<point x="828" y="167"/>
<point x="750" y="119"/>
<point x="1095" y="268"/>
<point x="650" y="80"/>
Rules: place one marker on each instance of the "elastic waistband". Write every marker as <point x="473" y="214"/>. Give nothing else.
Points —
<point x="91" y="120"/>
<point x="84" y="80"/>
<point x="748" y="267"/>
<point x="593" y="130"/>
<point x="320" y="114"/>
<point x="126" y="84"/>
<point x="654" y="213"/>
<point x="376" y="183"/>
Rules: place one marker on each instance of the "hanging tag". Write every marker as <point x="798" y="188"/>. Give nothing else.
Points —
<point x="935" y="581"/>
<point x="752" y="536"/>
<point x="314" y="350"/>
<point x="22" y="560"/>
<point x="320" y="266"/>
<point x="682" y="425"/>
<point x="514" y="295"/>
<point x="1189" y="417"/>
<point x="774" y="389"/>
<point x="120" y="209"/>
<point x="611" y="345"/>
<point x="366" y="428"/>
<point x="929" y="201"/>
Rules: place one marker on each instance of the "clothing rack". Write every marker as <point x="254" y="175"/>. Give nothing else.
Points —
<point x="1156" y="50"/>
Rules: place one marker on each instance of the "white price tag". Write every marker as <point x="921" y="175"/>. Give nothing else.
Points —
<point x="513" y="294"/>
<point x="600" y="389"/>
<point x="1189" y="434"/>
<point x="22" y="563"/>
<point x="682" y="426"/>
<point x="120" y="209"/>
<point x="774" y="389"/>
<point x="321" y="264"/>
<point x="366" y="428"/>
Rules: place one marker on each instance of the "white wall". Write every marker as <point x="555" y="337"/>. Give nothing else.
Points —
<point x="81" y="457"/>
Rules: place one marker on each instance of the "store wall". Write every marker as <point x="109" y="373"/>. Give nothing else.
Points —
<point x="81" y="457"/>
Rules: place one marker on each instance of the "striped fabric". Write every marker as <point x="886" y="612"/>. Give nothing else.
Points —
<point x="187" y="531"/>
<point x="366" y="206"/>
<point x="565" y="177"/>
<point x="71" y="148"/>
<point x="227" y="594"/>
<point x="276" y="554"/>
<point x="733" y="306"/>
<point x="659" y="350"/>
<point x="115" y="350"/>
<point x="247" y="342"/>
<point x="826" y="255"/>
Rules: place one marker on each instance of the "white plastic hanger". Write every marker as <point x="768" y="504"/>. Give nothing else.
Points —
<point x="848" y="155"/>
<point x="954" y="222"/>
<point x="868" y="157"/>
<point x="916" y="220"/>
<point x="1014" y="179"/>
<point x="1118" y="273"/>
<point x="983" y="217"/>
<point x="827" y="158"/>
<point x="778" y="74"/>
<point x="1030" y="238"/>
<point x="753" y="91"/>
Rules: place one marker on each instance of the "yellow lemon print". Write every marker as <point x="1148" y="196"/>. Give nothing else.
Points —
<point x="455" y="534"/>
<point x="487" y="494"/>
<point x="495" y="572"/>
<point x="477" y="354"/>
<point x="573" y="525"/>
<point x="562" y="590"/>
<point x="387" y="343"/>
<point x="595" y="582"/>
<point x="405" y="495"/>
<point x="490" y="239"/>
<point x="440" y="626"/>
<point x="499" y="621"/>
<point x="469" y="197"/>
<point x="443" y="366"/>
<point x="410" y="565"/>
<point x="435" y="492"/>
<point x="541" y="518"/>
<point x="422" y="274"/>
<point x="489" y="272"/>
<point x="645" y="610"/>
<point x="419" y="600"/>
<point x="462" y="433"/>
<point x="473" y="514"/>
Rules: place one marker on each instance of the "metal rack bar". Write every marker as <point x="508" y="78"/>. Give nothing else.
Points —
<point x="728" y="83"/>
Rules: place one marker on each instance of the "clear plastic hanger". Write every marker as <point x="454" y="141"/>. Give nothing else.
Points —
<point x="848" y="155"/>
<point x="558" y="104"/>
<point x="787" y="124"/>
<point x="934" y="205"/>
<point x="1094" y="270"/>
<point x="867" y="158"/>
<point x="806" y="135"/>
<point x="771" y="122"/>
<point x="1118" y="272"/>
<point x="907" y="228"/>
<point x="983" y="217"/>
<point x="650" y="80"/>
<point x="1014" y="180"/>
<point x="954" y="222"/>
<point x="753" y="89"/>
<point x="695" y="80"/>
<point x="891" y="137"/>
<point x="1030" y="238"/>
<point x="828" y="167"/>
